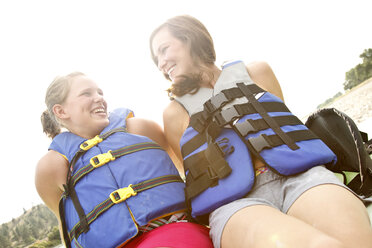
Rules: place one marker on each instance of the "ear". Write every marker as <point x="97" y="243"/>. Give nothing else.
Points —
<point x="59" y="112"/>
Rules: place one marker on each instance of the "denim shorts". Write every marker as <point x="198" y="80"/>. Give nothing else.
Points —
<point x="273" y="190"/>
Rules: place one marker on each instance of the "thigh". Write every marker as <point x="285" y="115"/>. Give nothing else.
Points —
<point x="266" y="191"/>
<point x="264" y="226"/>
<point x="336" y="211"/>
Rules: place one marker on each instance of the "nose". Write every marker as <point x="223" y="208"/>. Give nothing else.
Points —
<point x="98" y="97"/>
<point x="161" y="64"/>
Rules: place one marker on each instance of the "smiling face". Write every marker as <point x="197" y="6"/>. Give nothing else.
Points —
<point x="84" y="112"/>
<point x="172" y="56"/>
<point x="183" y="50"/>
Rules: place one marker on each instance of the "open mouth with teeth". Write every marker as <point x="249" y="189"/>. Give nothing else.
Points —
<point x="170" y="71"/>
<point x="99" y="111"/>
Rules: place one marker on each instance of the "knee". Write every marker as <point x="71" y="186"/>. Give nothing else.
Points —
<point x="326" y="242"/>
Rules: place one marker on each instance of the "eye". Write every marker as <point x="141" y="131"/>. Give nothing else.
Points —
<point x="86" y="93"/>
<point x="164" y="49"/>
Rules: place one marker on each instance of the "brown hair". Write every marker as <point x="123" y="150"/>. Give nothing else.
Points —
<point x="56" y="94"/>
<point x="192" y="32"/>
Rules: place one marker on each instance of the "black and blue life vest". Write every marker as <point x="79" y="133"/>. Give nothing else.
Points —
<point x="228" y="124"/>
<point x="117" y="182"/>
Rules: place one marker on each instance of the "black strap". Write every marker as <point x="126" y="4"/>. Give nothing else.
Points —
<point x="253" y="126"/>
<point x="234" y="112"/>
<point x="96" y="161"/>
<point x="261" y="110"/>
<point x="199" y="121"/>
<point x="70" y="191"/>
<point x="199" y="139"/>
<point x="219" y="100"/>
<point x="79" y="209"/>
<point x="264" y="141"/>
<point x="65" y="234"/>
<point x="227" y="116"/>
<point x="205" y="169"/>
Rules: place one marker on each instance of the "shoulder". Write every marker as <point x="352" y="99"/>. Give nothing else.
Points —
<point x="262" y="74"/>
<point x="259" y="68"/>
<point x="174" y="109"/>
<point x="176" y="114"/>
<point x="146" y="127"/>
<point x="52" y="162"/>
<point x="137" y="125"/>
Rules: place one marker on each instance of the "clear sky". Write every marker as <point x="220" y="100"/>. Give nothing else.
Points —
<point x="309" y="44"/>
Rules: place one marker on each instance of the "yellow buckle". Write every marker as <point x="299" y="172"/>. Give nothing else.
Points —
<point x="122" y="194"/>
<point x="90" y="143"/>
<point x="101" y="159"/>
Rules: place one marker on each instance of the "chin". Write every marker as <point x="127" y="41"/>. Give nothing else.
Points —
<point x="103" y="123"/>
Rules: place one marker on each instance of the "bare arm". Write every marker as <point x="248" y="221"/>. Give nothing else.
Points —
<point x="153" y="131"/>
<point x="175" y="120"/>
<point x="50" y="176"/>
<point x="262" y="74"/>
<point x="147" y="128"/>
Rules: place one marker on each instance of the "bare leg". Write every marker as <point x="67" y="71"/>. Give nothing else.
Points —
<point x="337" y="212"/>
<point x="263" y="226"/>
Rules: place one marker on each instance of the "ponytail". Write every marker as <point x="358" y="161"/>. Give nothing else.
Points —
<point x="50" y="125"/>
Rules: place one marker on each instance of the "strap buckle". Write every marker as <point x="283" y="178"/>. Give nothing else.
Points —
<point x="199" y="121"/>
<point x="227" y="116"/>
<point x="260" y="142"/>
<point x="101" y="159"/>
<point x="122" y="194"/>
<point x="216" y="102"/>
<point x="246" y="127"/>
<point x="86" y="145"/>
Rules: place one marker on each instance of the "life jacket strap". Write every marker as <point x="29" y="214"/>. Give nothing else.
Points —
<point x="119" y="196"/>
<point x="262" y="111"/>
<point x="199" y="121"/>
<point x="227" y="95"/>
<point x="264" y="141"/>
<point x="253" y="126"/>
<point x="229" y="115"/>
<point x="205" y="169"/>
<point x="102" y="159"/>
<point x="199" y="139"/>
<point x="65" y="234"/>
<point x="86" y="145"/>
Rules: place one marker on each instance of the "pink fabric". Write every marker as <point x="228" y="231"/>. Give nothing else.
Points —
<point x="177" y="235"/>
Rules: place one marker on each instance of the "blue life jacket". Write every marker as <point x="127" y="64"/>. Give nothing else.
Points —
<point x="228" y="123"/>
<point x="117" y="182"/>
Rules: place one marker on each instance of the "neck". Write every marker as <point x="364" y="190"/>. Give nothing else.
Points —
<point x="84" y="133"/>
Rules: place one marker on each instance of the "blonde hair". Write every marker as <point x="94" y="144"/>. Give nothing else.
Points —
<point x="56" y="94"/>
